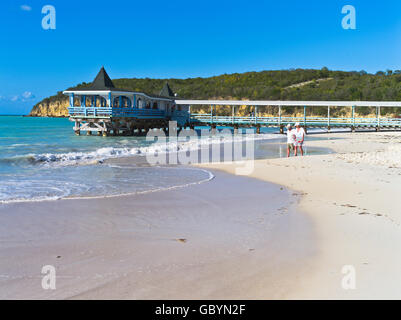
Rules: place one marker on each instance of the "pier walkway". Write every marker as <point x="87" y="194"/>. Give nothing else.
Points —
<point x="354" y="122"/>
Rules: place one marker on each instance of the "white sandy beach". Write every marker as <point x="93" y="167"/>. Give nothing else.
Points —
<point x="230" y="238"/>
<point x="352" y="198"/>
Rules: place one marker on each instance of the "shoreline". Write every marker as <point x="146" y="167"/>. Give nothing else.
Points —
<point x="101" y="160"/>
<point x="109" y="196"/>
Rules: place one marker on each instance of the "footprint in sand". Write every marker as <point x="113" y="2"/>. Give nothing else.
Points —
<point x="365" y="212"/>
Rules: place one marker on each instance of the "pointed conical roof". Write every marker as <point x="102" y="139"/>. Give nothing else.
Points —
<point x="166" y="91"/>
<point x="102" y="81"/>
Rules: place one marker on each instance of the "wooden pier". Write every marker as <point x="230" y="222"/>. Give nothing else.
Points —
<point x="377" y="123"/>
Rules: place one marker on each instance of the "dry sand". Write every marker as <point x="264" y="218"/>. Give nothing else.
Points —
<point x="353" y="200"/>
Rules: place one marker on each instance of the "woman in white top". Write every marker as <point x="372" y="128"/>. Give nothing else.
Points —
<point x="299" y="138"/>
<point x="290" y="140"/>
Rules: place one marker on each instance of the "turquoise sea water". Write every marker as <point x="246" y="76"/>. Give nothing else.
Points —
<point x="42" y="158"/>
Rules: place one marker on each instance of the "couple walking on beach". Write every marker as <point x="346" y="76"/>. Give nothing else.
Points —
<point x="295" y="139"/>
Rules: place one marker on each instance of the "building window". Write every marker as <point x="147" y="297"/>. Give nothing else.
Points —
<point x="77" y="101"/>
<point x="101" y="101"/>
<point x="126" y="102"/>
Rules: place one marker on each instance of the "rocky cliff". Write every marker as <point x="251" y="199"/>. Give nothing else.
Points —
<point x="50" y="109"/>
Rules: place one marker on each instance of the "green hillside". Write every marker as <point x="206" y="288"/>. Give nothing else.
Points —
<point x="294" y="84"/>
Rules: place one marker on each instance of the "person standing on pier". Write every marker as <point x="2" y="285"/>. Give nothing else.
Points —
<point x="299" y="139"/>
<point x="290" y="140"/>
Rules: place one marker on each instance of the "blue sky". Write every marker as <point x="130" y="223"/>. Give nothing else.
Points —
<point x="173" y="38"/>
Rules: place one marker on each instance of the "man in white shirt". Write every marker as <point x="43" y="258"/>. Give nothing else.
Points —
<point x="299" y="139"/>
<point x="290" y="140"/>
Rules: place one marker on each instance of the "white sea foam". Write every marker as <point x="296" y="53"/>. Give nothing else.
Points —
<point x="99" y="155"/>
<point x="11" y="193"/>
<point x="209" y="178"/>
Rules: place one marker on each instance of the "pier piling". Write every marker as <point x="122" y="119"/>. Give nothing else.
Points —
<point x="236" y="129"/>
<point x="213" y="129"/>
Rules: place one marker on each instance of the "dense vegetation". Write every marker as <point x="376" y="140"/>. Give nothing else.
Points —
<point x="294" y="84"/>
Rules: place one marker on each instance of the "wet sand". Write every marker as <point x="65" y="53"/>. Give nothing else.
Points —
<point x="230" y="238"/>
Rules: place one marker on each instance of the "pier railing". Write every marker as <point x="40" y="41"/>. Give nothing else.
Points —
<point x="310" y="121"/>
<point x="138" y="113"/>
<point x="183" y="117"/>
<point x="115" y="112"/>
<point x="85" y="112"/>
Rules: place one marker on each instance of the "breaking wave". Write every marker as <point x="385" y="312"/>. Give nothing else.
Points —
<point x="57" y="166"/>
<point x="101" y="154"/>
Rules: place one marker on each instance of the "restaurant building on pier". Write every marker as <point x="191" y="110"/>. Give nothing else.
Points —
<point x="105" y="109"/>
